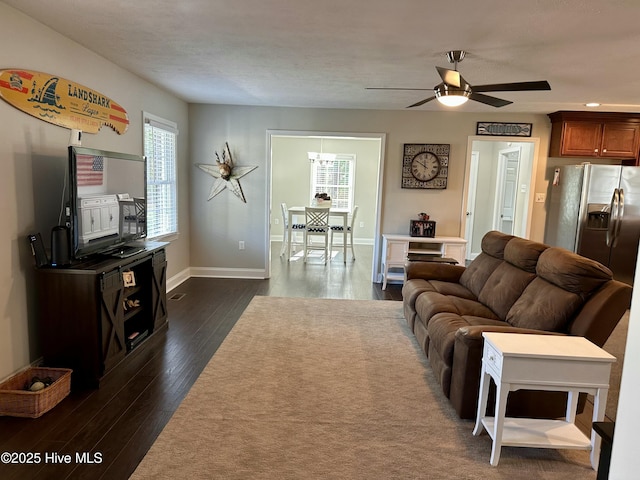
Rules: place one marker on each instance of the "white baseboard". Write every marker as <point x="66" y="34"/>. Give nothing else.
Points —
<point x="177" y="279"/>
<point x="215" y="272"/>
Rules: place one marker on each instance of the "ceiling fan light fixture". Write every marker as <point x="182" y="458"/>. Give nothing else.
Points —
<point x="450" y="96"/>
<point x="455" y="56"/>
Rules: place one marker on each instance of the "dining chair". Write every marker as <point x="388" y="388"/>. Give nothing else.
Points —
<point x="339" y="229"/>
<point x="285" y="226"/>
<point x="132" y="215"/>
<point x="316" y="225"/>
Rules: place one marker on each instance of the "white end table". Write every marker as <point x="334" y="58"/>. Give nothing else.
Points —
<point x="542" y="362"/>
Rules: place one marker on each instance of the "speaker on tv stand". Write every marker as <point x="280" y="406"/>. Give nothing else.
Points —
<point x="37" y="248"/>
<point x="60" y="246"/>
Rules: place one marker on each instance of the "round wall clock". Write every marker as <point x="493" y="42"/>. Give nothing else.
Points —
<point x="425" y="165"/>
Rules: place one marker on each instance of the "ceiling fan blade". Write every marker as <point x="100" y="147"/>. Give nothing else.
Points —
<point x="450" y="77"/>
<point x="392" y="88"/>
<point x="513" y="87"/>
<point x="421" y="102"/>
<point x="486" y="99"/>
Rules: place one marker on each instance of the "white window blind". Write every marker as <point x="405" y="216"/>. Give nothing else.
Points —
<point x="335" y="178"/>
<point x="160" y="148"/>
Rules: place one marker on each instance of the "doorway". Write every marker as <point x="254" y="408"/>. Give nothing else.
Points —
<point x="498" y="192"/>
<point x="290" y="179"/>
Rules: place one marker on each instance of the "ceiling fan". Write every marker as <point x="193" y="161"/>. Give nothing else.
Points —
<point x="455" y="90"/>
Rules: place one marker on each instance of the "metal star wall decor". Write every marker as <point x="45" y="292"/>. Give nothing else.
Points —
<point x="226" y="174"/>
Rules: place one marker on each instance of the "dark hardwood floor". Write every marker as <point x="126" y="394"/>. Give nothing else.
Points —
<point x="116" y="424"/>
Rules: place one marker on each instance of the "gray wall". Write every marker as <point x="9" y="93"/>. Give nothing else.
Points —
<point x="33" y="159"/>
<point x="219" y="224"/>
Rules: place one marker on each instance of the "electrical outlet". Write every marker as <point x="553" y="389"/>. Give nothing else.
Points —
<point x="276" y="221"/>
<point x="241" y="245"/>
<point x="541" y="197"/>
<point x="361" y="224"/>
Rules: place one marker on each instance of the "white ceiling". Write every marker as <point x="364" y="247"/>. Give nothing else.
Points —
<point x="323" y="53"/>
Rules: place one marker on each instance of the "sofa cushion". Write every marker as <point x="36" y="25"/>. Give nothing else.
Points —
<point x="430" y="304"/>
<point x="544" y="306"/>
<point x="449" y="288"/>
<point x="524" y="253"/>
<point x="442" y="331"/>
<point x="504" y="287"/>
<point x="476" y="274"/>
<point x="494" y="242"/>
<point x="492" y="255"/>
<point x="413" y="288"/>
<point x="572" y="272"/>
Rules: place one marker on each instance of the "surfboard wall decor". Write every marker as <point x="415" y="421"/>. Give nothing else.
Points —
<point x="61" y="102"/>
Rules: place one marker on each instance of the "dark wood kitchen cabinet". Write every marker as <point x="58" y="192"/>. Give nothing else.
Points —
<point x="96" y="312"/>
<point x="595" y="135"/>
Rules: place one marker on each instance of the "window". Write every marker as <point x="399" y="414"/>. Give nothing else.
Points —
<point x="160" y="139"/>
<point x="335" y="178"/>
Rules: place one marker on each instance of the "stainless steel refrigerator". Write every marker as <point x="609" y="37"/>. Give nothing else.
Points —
<point x="594" y="210"/>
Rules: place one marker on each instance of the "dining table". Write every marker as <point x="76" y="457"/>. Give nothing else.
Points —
<point x="297" y="211"/>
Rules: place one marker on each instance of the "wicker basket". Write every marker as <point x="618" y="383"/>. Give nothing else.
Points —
<point x="17" y="402"/>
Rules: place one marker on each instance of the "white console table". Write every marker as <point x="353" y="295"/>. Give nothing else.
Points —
<point x="542" y="362"/>
<point x="396" y="249"/>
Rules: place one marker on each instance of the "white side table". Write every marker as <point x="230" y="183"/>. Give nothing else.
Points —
<point x="542" y="362"/>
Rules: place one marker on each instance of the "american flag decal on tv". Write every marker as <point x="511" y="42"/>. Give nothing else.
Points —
<point x="90" y="170"/>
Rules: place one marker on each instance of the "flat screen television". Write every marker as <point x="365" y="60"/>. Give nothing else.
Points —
<point x="107" y="203"/>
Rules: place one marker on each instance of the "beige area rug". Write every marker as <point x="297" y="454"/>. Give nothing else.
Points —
<point x="330" y="389"/>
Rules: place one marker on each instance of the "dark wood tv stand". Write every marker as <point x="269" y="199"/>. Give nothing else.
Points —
<point x="90" y="321"/>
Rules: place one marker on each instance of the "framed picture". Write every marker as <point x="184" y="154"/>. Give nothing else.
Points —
<point x="129" y="279"/>
<point x="423" y="228"/>
<point x="501" y="129"/>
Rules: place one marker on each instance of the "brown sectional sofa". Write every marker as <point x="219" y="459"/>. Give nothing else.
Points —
<point x="514" y="285"/>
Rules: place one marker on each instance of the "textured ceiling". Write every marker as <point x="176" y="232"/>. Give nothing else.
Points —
<point x="324" y="53"/>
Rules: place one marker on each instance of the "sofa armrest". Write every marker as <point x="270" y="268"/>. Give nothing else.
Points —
<point x="433" y="271"/>
<point x="472" y="334"/>
<point x="600" y="315"/>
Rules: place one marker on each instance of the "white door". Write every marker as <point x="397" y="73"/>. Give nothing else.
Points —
<point x="471" y="205"/>
<point x="507" y="190"/>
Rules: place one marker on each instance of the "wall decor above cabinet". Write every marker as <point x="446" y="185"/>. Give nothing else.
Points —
<point x="607" y="135"/>
<point x="425" y="165"/>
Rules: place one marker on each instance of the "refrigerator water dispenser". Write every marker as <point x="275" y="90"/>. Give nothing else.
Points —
<point x="597" y="216"/>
